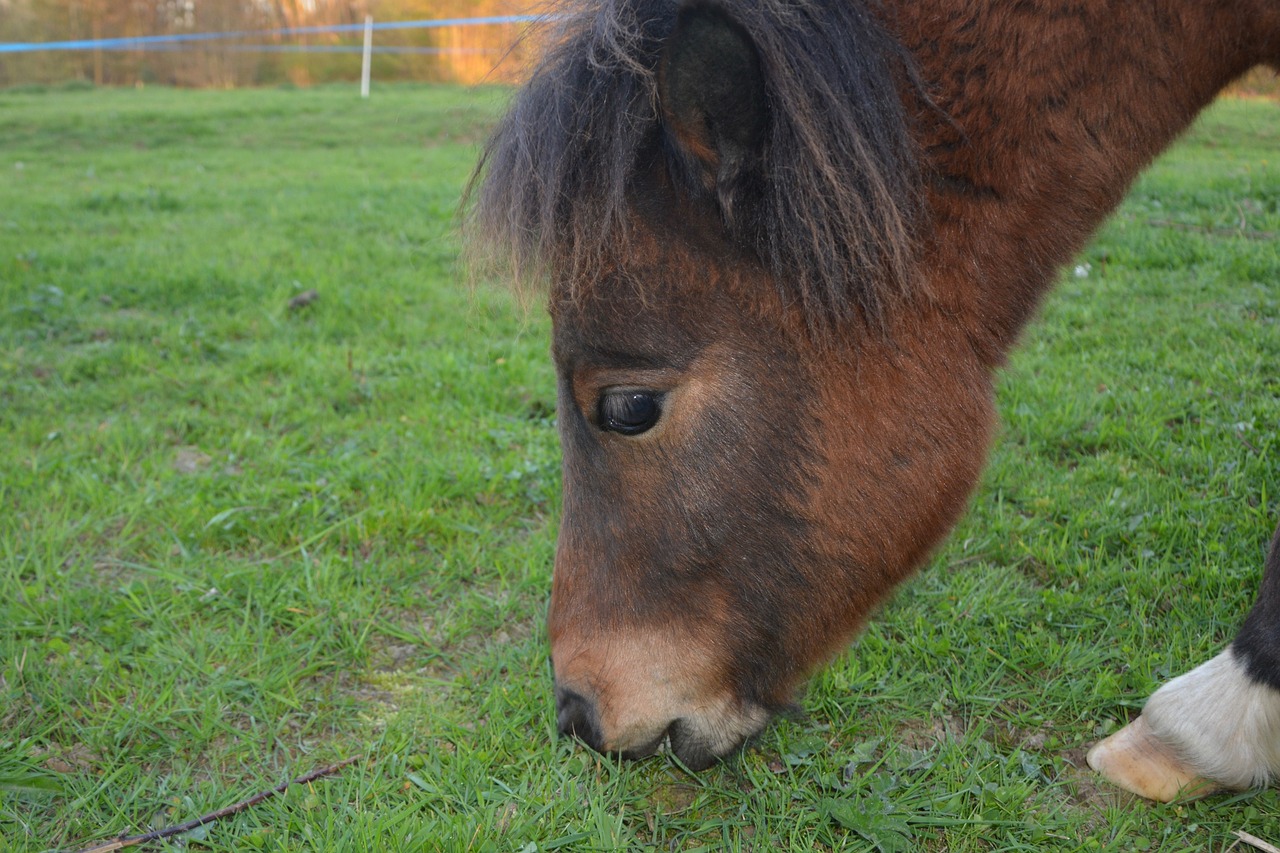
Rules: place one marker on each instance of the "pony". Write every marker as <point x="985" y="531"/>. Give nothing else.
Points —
<point x="787" y="243"/>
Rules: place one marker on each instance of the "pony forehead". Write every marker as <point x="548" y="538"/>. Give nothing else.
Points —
<point x="583" y="158"/>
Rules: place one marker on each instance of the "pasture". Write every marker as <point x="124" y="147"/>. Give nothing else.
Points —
<point x="240" y="540"/>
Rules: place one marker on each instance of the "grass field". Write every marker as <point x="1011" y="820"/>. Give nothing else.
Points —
<point x="240" y="540"/>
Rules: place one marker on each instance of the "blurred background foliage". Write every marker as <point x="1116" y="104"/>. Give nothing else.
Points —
<point x="462" y="54"/>
<point x="490" y="53"/>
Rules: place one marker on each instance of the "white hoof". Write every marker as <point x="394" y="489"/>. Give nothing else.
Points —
<point x="1135" y="760"/>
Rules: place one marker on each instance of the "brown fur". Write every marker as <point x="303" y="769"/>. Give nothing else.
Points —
<point x="707" y="566"/>
<point x="1052" y="108"/>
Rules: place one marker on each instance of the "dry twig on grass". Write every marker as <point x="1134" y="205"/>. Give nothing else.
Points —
<point x="235" y="808"/>
<point x="1255" y="841"/>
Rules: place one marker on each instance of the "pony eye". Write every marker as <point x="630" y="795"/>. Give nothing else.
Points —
<point x="629" y="412"/>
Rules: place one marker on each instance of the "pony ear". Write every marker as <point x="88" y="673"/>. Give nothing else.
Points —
<point x="713" y="97"/>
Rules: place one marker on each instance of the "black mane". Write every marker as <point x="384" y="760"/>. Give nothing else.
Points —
<point x="839" y="198"/>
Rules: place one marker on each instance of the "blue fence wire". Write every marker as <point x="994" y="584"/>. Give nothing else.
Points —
<point x="169" y="42"/>
<point x="330" y="48"/>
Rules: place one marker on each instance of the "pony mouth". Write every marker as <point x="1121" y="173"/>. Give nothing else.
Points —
<point x="680" y="740"/>
<point x="690" y="749"/>
<point x="696" y="741"/>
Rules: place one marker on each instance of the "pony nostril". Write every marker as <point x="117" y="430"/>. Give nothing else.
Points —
<point x="576" y="717"/>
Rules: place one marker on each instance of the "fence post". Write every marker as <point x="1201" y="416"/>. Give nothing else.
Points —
<point x="368" y="56"/>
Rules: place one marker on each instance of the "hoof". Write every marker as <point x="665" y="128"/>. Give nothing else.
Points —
<point x="1137" y="761"/>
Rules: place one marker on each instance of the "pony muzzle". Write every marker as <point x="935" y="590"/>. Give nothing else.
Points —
<point x="577" y="717"/>
<point x="698" y="734"/>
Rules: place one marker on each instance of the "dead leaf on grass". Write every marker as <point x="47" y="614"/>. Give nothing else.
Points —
<point x="189" y="460"/>
<point x="303" y="299"/>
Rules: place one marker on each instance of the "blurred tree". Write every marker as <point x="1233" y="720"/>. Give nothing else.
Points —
<point x="264" y="56"/>
<point x="491" y="53"/>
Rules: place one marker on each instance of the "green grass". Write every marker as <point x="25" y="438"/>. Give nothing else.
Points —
<point x="239" y="541"/>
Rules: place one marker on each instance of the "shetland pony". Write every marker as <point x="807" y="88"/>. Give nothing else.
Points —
<point x="789" y="242"/>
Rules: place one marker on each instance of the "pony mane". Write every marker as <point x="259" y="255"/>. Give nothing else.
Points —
<point x="554" y="193"/>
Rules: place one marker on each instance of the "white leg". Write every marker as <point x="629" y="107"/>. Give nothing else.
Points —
<point x="1211" y="728"/>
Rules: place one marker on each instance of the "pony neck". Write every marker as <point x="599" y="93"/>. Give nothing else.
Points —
<point x="1042" y="115"/>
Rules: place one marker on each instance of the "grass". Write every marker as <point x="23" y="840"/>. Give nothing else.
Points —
<point x="239" y="541"/>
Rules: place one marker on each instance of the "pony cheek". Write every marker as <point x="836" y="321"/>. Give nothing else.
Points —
<point x="925" y="434"/>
